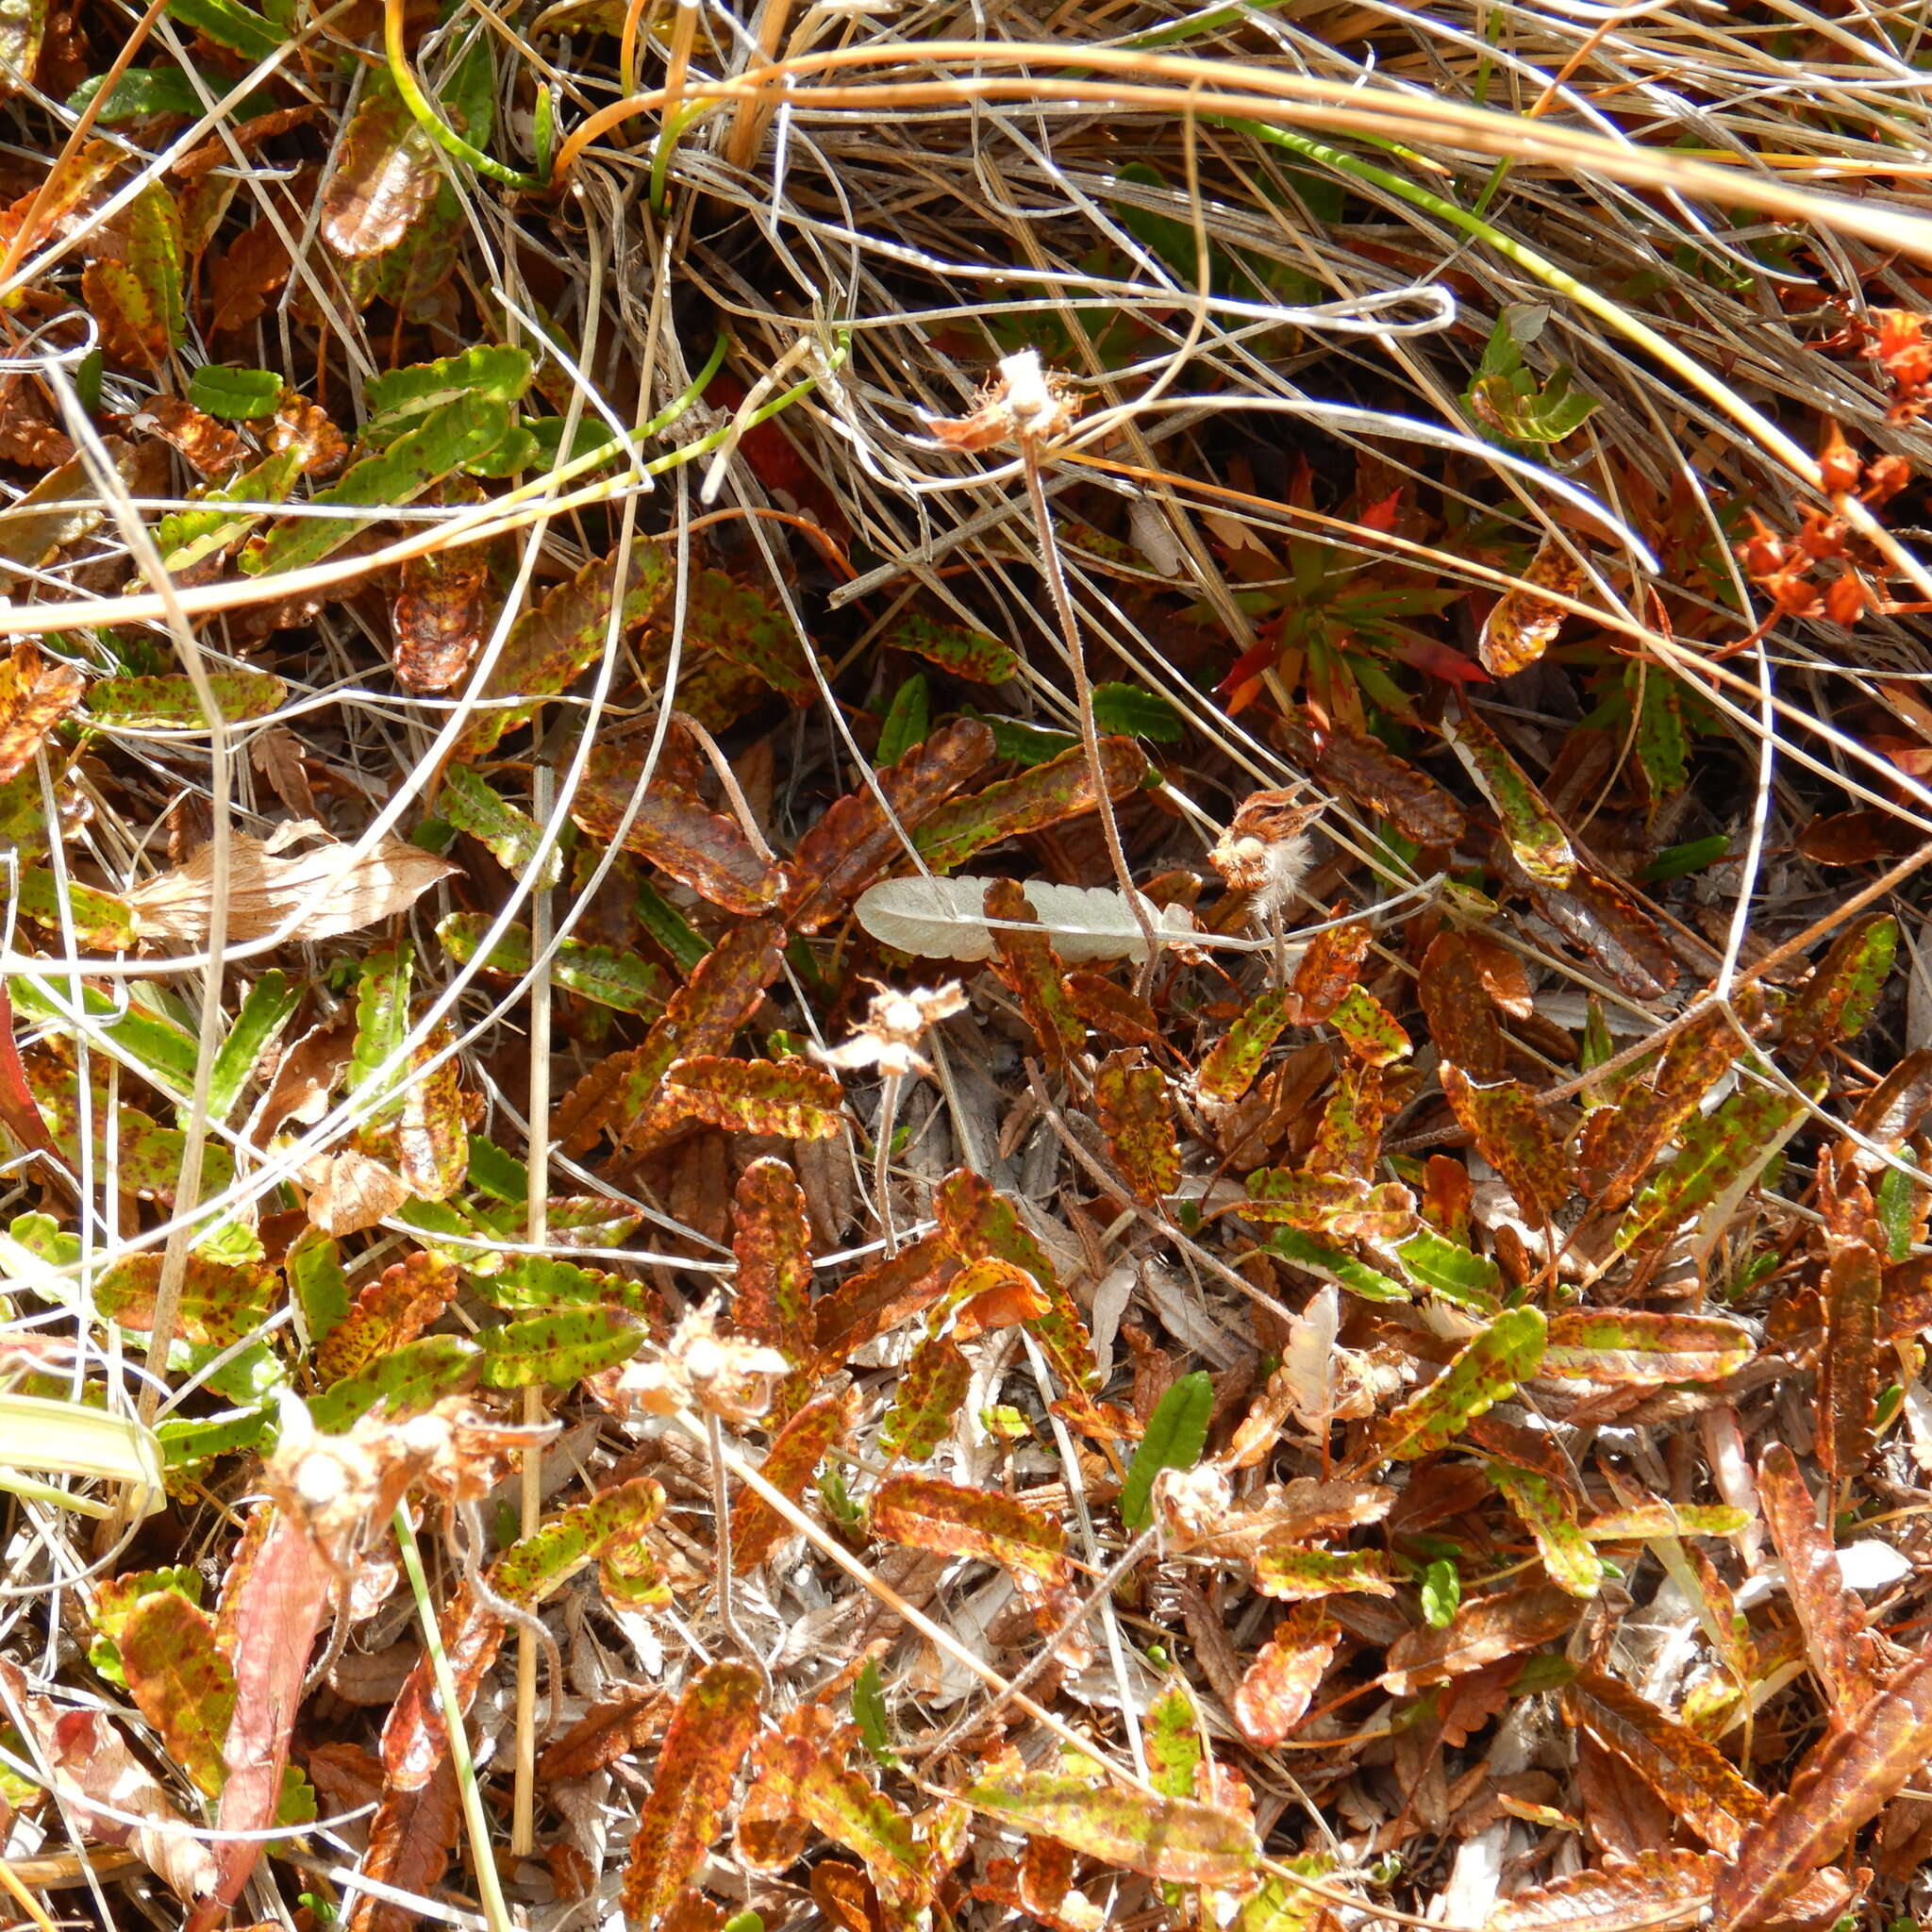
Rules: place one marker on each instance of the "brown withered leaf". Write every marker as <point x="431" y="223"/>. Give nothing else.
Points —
<point x="709" y="1733"/>
<point x="1619" y="1144"/>
<point x="1280" y="1684"/>
<point x="1856" y="838"/>
<point x="1342" y="760"/>
<point x="273" y="1603"/>
<point x="770" y="1240"/>
<point x="1462" y="1021"/>
<point x="1692" y="1776"/>
<point x="1841" y="1648"/>
<point x="1847" y="1778"/>
<point x="90" y="1758"/>
<point x="1602" y="921"/>
<point x="1522" y="624"/>
<point x="438" y="617"/>
<point x="350" y="1190"/>
<point x="410" y="1838"/>
<point x="246" y="277"/>
<point x="385" y="177"/>
<point x="35" y="694"/>
<point x="927" y="1514"/>
<point x="870" y="1303"/>
<point x="1111" y="1010"/>
<point x="1659" y="1889"/>
<point x="623" y="1720"/>
<point x="677" y="833"/>
<point x="1848" y="1365"/>
<point x="321" y="894"/>
<point x="790" y="1099"/>
<point x="28" y="433"/>
<point x="1043" y="796"/>
<point x="1516" y="1138"/>
<point x="1481" y="1633"/>
<point x="855" y="839"/>
<point x="210" y="447"/>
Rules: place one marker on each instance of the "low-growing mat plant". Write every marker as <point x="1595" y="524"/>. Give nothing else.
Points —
<point x="964" y="971"/>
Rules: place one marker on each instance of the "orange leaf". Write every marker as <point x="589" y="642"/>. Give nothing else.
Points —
<point x="1848" y="1777"/>
<point x="1692" y="1776"/>
<point x="793" y="1459"/>
<point x="1280" y="1685"/>
<point x="927" y="1514"/>
<point x="35" y="696"/>
<point x="1841" y="1649"/>
<point x="709" y="1733"/>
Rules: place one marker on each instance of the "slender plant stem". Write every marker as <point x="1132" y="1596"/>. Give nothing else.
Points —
<point x="523" y="1840"/>
<point x="489" y="1887"/>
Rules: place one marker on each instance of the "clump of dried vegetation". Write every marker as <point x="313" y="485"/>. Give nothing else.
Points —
<point x="962" y="966"/>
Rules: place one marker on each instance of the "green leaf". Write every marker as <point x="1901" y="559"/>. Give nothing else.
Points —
<point x="162" y="1051"/>
<point x="382" y="1016"/>
<point x="1677" y="862"/>
<point x="1441" y="1593"/>
<point x="671" y="928"/>
<point x="101" y="922"/>
<point x="1529" y="825"/>
<point x="407" y="1381"/>
<point x="229" y="25"/>
<point x="1662" y="745"/>
<point x="531" y="1568"/>
<point x="406" y="399"/>
<point x="1432" y="1260"/>
<point x="191" y="1439"/>
<point x="181" y="1681"/>
<point x="1330" y="1264"/>
<point x="869" y="1713"/>
<point x="1569" y="1561"/>
<point x="191" y="536"/>
<point x="496" y="1173"/>
<point x="1173" y="1839"/>
<point x="416" y="462"/>
<point x="144" y="92"/>
<point x="114" y="1599"/>
<point x="314" y="1268"/>
<point x="235" y="395"/>
<point x="473" y="806"/>
<point x="1229" y="1066"/>
<point x="1176" y="1434"/>
<point x="157" y="701"/>
<point x="909" y="719"/>
<point x="270" y="1006"/>
<point x="1720" y="1157"/>
<point x="1504" y="397"/>
<point x="599" y="973"/>
<point x="1132" y="712"/>
<point x="1174" y="1741"/>
<point x="931" y="1388"/>
<point x="557" y="1350"/>
<point x="964" y="652"/>
<point x="1481" y="1375"/>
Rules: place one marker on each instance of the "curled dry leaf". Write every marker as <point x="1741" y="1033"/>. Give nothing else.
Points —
<point x="35" y="696"/>
<point x="323" y="893"/>
<point x="1524" y="623"/>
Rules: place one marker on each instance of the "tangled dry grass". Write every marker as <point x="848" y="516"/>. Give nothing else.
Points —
<point x="1380" y="1382"/>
